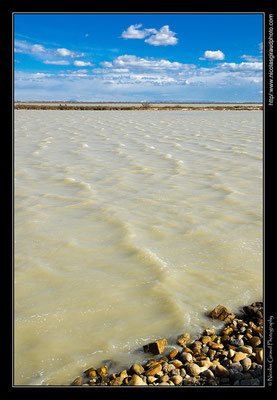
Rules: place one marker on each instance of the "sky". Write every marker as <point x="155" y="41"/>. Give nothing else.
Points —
<point x="133" y="57"/>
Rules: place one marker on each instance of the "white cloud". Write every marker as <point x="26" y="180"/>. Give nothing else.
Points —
<point x="65" y="52"/>
<point x="22" y="46"/>
<point x="57" y="62"/>
<point x="131" y="61"/>
<point x="37" y="48"/>
<point x="134" y="33"/>
<point x="212" y="55"/>
<point x="79" y="63"/>
<point x="163" y="37"/>
<point x="243" y="66"/>
<point x="251" y="58"/>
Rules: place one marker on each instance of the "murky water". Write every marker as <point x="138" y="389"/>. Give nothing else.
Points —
<point x="129" y="227"/>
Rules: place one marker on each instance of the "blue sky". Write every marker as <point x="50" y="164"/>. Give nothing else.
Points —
<point x="138" y="57"/>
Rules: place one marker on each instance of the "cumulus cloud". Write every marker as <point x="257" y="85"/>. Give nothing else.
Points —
<point x="133" y="32"/>
<point x="163" y="37"/>
<point x="212" y="55"/>
<point x="22" y="46"/>
<point x="243" y="66"/>
<point x="79" y="63"/>
<point x="131" y="61"/>
<point x="65" y="52"/>
<point x="57" y="62"/>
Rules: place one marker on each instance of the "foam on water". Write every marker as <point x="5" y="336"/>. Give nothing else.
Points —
<point x="129" y="227"/>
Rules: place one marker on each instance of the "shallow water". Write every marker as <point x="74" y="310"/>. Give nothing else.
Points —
<point x="129" y="227"/>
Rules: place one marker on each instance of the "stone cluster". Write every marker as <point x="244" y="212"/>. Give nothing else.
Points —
<point x="232" y="357"/>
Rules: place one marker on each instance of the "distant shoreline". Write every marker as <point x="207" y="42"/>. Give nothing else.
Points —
<point x="144" y="107"/>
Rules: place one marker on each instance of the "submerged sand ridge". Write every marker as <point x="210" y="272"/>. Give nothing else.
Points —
<point x="128" y="227"/>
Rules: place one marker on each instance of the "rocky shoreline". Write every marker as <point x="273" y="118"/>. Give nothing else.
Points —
<point x="231" y="357"/>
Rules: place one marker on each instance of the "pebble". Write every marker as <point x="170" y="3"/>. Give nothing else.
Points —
<point x="239" y="356"/>
<point x="185" y="357"/>
<point x="194" y="369"/>
<point x="259" y="355"/>
<point x="136" y="381"/>
<point x="232" y="356"/>
<point x="246" y="363"/>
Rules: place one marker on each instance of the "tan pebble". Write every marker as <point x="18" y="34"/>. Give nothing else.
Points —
<point x="176" y="363"/>
<point x="209" y="331"/>
<point x="206" y="339"/>
<point x="173" y="354"/>
<point x="137" y="369"/>
<point x="245" y="349"/>
<point x="205" y="363"/>
<point x="153" y="370"/>
<point x="259" y="355"/>
<point x="221" y="372"/>
<point x="239" y="356"/>
<point x="164" y="378"/>
<point x="216" y="346"/>
<point x="186" y="357"/>
<point x="151" y="379"/>
<point x="183" y="340"/>
<point x="136" y="381"/>
<point x="231" y="353"/>
<point x="176" y="379"/>
<point x="193" y="369"/>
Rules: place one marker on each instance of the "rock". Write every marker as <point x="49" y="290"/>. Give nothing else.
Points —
<point x="231" y="353"/>
<point x="208" y="373"/>
<point x="221" y="372"/>
<point x="136" y="381"/>
<point x="173" y="354"/>
<point x="137" y="369"/>
<point x="168" y="367"/>
<point x="155" y="347"/>
<point x="205" y="363"/>
<point x="236" y="342"/>
<point x="194" y="369"/>
<point x="185" y="357"/>
<point x="77" y="381"/>
<point x="245" y="349"/>
<point x="216" y="346"/>
<point x="208" y="332"/>
<point x="255" y="341"/>
<point x="183" y="340"/>
<point x="220" y="312"/>
<point x="206" y="339"/>
<point x="176" y="363"/>
<point x="164" y="378"/>
<point x="151" y="379"/>
<point x="239" y="356"/>
<point x="117" y="381"/>
<point x="259" y="355"/>
<point x="236" y="367"/>
<point x="153" y="370"/>
<point x="176" y="379"/>
<point x="102" y="371"/>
